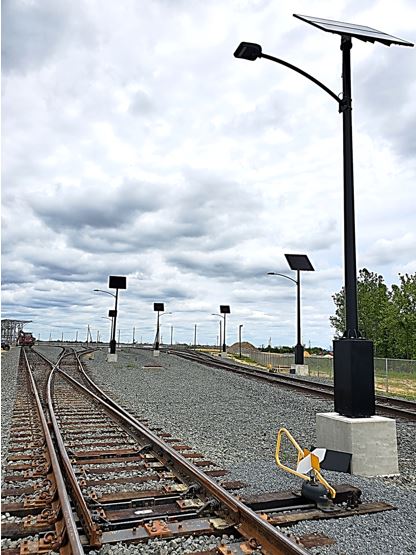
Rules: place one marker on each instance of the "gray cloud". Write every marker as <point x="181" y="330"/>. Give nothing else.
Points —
<point x="386" y="102"/>
<point x="96" y="207"/>
<point x="33" y="32"/>
<point x="134" y="143"/>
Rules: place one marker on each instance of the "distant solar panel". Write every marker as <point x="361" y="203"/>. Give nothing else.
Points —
<point x="299" y="262"/>
<point x="351" y="30"/>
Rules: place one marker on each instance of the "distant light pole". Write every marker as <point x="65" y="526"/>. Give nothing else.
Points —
<point x="224" y="310"/>
<point x="111" y="315"/>
<point x="114" y="282"/>
<point x="171" y="336"/>
<point x="239" y="336"/>
<point x="298" y="262"/>
<point x="158" y="307"/>
<point x="354" y="394"/>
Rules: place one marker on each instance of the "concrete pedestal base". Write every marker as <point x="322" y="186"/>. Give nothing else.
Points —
<point x="112" y="357"/>
<point x="371" y="441"/>
<point x="222" y="354"/>
<point x="299" y="369"/>
<point x="156" y="352"/>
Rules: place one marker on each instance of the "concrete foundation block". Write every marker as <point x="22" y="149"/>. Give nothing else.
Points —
<point x="112" y="357"/>
<point x="371" y="441"/>
<point x="156" y="352"/>
<point x="299" y="369"/>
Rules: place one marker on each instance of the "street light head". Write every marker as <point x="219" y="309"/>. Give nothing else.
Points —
<point x="248" y="51"/>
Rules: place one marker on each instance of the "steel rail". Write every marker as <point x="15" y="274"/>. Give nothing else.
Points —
<point x="65" y="503"/>
<point x="248" y="522"/>
<point x="91" y="529"/>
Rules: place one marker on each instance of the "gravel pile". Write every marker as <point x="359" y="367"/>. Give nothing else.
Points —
<point x="234" y="421"/>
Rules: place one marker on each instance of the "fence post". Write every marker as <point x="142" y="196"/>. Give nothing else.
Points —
<point x="387" y="375"/>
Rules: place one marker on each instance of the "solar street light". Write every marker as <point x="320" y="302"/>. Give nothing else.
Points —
<point x="158" y="307"/>
<point x="115" y="282"/>
<point x="353" y="356"/>
<point x="224" y="309"/>
<point x="297" y="262"/>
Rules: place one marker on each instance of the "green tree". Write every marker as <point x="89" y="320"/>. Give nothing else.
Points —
<point x="373" y="310"/>
<point x="403" y="316"/>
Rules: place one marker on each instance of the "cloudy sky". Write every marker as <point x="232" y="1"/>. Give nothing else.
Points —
<point x="135" y="144"/>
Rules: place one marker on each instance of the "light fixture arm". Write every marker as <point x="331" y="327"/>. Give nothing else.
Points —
<point x="282" y="275"/>
<point x="106" y="292"/>
<point x="310" y="77"/>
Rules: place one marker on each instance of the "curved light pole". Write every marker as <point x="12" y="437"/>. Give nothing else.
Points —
<point x="224" y="310"/>
<point x="158" y="307"/>
<point x="299" y="353"/>
<point x="354" y="394"/>
<point x="297" y="262"/>
<point x="114" y="282"/>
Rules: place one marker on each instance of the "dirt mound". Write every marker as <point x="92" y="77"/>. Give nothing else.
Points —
<point x="245" y="346"/>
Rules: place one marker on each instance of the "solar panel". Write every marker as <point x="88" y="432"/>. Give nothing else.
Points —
<point x="299" y="262"/>
<point x="361" y="32"/>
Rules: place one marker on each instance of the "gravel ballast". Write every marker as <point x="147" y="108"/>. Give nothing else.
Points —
<point x="233" y="421"/>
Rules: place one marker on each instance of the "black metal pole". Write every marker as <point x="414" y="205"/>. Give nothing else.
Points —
<point x="111" y="330"/>
<point x="157" y="333"/>
<point x="354" y="394"/>
<point x="351" y="316"/>
<point x="220" y="340"/>
<point x="223" y="345"/>
<point x="239" y="336"/>
<point x="113" y="342"/>
<point x="299" y="354"/>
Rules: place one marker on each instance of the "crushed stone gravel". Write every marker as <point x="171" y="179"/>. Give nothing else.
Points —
<point x="233" y="421"/>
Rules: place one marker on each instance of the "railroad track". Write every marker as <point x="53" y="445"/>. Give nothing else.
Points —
<point x="66" y="487"/>
<point x="384" y="404"/>
<point x="83" y="472"/>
